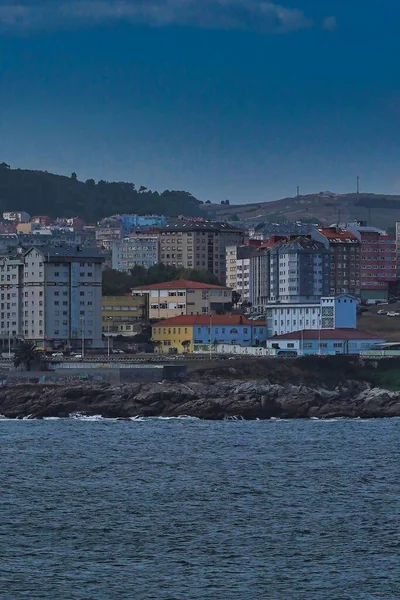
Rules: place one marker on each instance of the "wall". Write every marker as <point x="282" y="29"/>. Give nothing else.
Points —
<point x="120" y="313"/>
<point x="345" y="312"/>
<point x="172" y="337"/>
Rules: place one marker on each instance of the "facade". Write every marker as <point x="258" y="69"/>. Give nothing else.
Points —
<point x="238" y="272"/>
<point x="140" y="248"/>
<point x="11" y="284"/>
<point x="345" y="258"/>
<point x="205" y="332"/>
<point x="329" y="313"/>
<point x="323" y="342"/>
<point x="19" y="216"/>
<point x="120" y="314"/>
<point x="61" y="297"/>
<point x="176" y="298"/>
<point x="108" y="234"/>
<point x="198" y="245"/>
<point x="260" y="279"/>
<point x="299" y="270"/>
<point x="378" y="260"/>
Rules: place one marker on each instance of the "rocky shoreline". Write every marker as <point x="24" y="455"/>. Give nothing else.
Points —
<point x="211" y="399"/>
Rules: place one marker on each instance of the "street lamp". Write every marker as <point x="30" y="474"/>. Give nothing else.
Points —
<point x="210" y="333"/>
<point x="108" y="336"/>
<point x="82" y="320"/>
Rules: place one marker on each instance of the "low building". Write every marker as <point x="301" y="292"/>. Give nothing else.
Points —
<point x="196" y="333"/>
<point x="183" y="297"/>
<point x="109" y="232"/>
<point x="323" y="342"/>
<point x="329" y="313"/>
<point x="19" y="216"/>
<point x="121" y="314"/>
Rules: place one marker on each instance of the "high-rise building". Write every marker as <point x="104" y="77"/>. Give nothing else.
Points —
<point x="238" y="275"/>
<point x="61" y="297"/>
<point x="299" y="270"/>
<point x="198" y="245"/>
<point x="345" y="253"/>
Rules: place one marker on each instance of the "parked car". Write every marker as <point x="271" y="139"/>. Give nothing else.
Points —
<point x="392" y="314"/>
<point x="381" y="312"/>
<point x="76" y="355"/>
<point x="57" y="355"/>
<point x="116" y="351"/>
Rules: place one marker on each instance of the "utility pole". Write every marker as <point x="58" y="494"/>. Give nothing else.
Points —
<point x="358" y="185"/>
<point x="298" y="191"/>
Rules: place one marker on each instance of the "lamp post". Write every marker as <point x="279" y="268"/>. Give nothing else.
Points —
<point x="108" y="336"/>
<point x="82" y="320"/>
<point x="210" y="333"/>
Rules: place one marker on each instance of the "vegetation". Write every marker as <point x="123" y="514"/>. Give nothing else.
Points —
<point x="43" y="193"/>
<point x="116" y="283"/>
<point x="26" y="354"/>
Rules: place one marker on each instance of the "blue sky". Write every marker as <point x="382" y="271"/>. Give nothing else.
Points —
<point x="238" y="99"/>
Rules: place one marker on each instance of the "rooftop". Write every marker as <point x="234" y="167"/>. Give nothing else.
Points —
<point x="180" y="284"/>
<point x="335" y="234"/>
<point x="223" y="320"/>
<point x="326" y="334"/>
<point x="53" y="253"/>
<point x="183" y="225"/>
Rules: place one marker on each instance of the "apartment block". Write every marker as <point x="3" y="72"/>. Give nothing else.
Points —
<point x="61" y="297"/>
<point x="11" y="283"/>
<point x="18" y="216"/>
<point x="108" y="233"/>
<point x="121" y="314"/>
<point x="198" y="245"/>
<point x="345" y="258"/>
<point x="299" y="270"/>
<point x="176" y="298"/>
<point x="140" y="248"/>
<point x="238" y="272"/>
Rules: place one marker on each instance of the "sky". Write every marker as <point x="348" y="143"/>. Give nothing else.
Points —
<point x="228" y="99"/>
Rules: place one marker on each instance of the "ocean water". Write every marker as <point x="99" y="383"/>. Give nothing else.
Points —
<point x="189" y="510"/>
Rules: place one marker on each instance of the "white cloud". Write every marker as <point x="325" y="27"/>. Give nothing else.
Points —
<point x="250" y="15"/>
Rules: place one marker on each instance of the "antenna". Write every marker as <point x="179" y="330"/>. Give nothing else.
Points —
<point x="358" y="184"/>
<point x="298" y="191"/>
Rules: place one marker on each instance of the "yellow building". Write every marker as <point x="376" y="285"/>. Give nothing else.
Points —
<point x="176" y="338"/>
<point x="176" y="298"/>
<point x="121" y="314"/>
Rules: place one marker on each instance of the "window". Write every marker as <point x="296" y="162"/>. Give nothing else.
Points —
<point x="56" y="332"/>
<point x="81" y="293"/>
<point x="56" y="303"/>
<point x="56" y="274"/>
<point x="56" y="293"/>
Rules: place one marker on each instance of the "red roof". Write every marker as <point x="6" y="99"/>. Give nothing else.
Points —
<point x="327" y="334"/>
<point x="192" y="320"/>
<point x="181" y="284"/>
<point x="334" y="233"/>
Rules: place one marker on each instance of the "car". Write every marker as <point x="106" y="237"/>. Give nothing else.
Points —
<point x="381" y="312"/>
<point x="116" y="351"/>
<point x="76" y="355"/>
<point x="392" y="314"/>
<point x="57" y="355"/>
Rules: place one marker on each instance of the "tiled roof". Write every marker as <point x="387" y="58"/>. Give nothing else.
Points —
<point x="336" y="234"/>
<point x="180" y="284"/>
<point x="327" y="334"/>
<point x="192" y="320"/>
<point x="60" y="252"/>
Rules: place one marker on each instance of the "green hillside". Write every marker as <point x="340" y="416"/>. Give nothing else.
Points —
<point x="42" y="193"/>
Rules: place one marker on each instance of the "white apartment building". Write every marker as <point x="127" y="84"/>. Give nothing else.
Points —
<point x="140" y="248"/>
<point x="11" y="272"/>
<point x="61" y="297"/>
<point x="332" y="312"/>
<point x="19" y="216"/>
<point x="238" y="272"/>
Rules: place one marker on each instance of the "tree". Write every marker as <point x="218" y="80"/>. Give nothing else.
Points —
<point x="186" y="344"/>
<point x="155" y="343"/>
<point x="26" y="354"/>
<point x="236" y="297"/>
<point x="74" y="176"/>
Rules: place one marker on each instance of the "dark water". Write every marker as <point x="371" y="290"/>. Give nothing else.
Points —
<point x="189" y="510"/>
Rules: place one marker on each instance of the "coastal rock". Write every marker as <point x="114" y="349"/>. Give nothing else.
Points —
<point x="207" y="399"/>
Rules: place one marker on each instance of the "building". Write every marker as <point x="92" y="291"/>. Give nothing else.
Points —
<point x="378" y="260"/>
<point x="109" y="232"/>
<point x="19" y="216"/>
<point x="238" y="271"/>
<point x="140" y="248"/>
<point x="345" y="252"/>
<point x="132" y="222"/>
<point x="299" y="270"/>
<point x="203" y="332"/>
<point x="11" y="285"/>
<point x="42" y="220"/>
<point x="323" y="342"/>
<point x="260" y="278"/>
<point x="197" y="244"/>
<point x="121" y="314"/>
<point x="176" y="298"/>
<point x="61" y="297"/>
<point x="329" y="313"/>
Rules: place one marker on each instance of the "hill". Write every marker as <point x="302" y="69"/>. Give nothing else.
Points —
<point x="326" y="207"/>
<point x="43" y="193"/>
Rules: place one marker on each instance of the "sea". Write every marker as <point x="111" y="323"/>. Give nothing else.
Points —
<point x="183" y="509"/>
